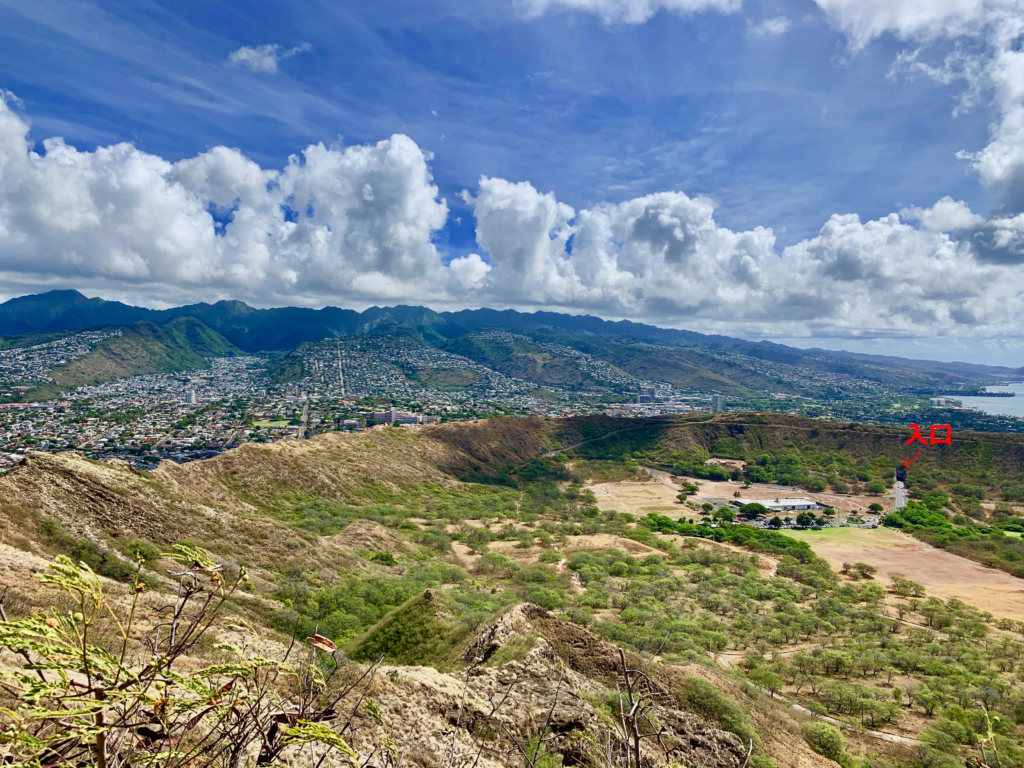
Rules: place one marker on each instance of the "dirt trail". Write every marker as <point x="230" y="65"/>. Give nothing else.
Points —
<point x="561" y="567"/>
<point x="595" y="439"/>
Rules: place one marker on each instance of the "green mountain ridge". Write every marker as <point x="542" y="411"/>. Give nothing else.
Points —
<point x="683" y="358"/>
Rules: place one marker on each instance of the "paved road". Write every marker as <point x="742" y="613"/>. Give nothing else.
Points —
<point x="900" y="500"/>
<point x="661" y="476"/>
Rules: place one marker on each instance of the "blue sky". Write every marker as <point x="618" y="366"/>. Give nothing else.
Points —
<point x="779" y="132"/>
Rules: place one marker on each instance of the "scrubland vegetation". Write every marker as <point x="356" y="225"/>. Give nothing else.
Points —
<point x="840" y="645"/>
<point x="417" y="574"/>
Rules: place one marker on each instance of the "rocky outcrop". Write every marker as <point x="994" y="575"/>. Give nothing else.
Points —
<point x="562" y="688"/>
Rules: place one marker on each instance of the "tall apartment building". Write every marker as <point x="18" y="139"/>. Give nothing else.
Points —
<point x="647" y="395"/>
<point x="717" y="403"/>
<point x="383" y="417"/>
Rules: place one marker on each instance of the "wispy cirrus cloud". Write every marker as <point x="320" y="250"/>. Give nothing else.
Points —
<point x="628" y="11"/>
<point x="988" y="60"/>
<point x="769" y="28"/>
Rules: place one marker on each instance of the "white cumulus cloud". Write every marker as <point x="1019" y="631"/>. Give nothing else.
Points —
<point x="356" y="225"/>
<point x="351" y="222"/>
<point x="663" y="256"/>
<point x="947" y="215"/>
<point x="264" y="58"/>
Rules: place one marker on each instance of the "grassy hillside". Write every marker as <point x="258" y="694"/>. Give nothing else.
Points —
<point x="993" y="460"/>
<point x="966" y="496"/>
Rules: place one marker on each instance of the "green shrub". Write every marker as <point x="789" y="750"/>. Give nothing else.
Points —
<point x="701" y="697"/>
<point x="97" y="557"/>
<point x="146" y="550"/>
<point x="826" y="740"/>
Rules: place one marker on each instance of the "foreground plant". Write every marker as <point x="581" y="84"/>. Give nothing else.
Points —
<point x="77" y="703"/>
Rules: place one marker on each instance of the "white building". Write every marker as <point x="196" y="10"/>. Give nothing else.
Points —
<point x="796" y="503"/>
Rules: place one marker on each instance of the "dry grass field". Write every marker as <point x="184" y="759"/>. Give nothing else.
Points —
<point x="894" y="553"/>
<point x="639" y="498"/>
<point x="659" y="496"/>
<point x="943" y="574"/>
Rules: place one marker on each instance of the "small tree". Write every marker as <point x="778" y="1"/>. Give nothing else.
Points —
<point x="805" y="519"/>
<point x="478" y="539"/>
<point x="874" y="506"/>
<point x="839" y="485"/>
<point x="775" y="522"/>
<point x="767" y="680"/>
<point x="753" y="510"/>
<point x="866" y="571"/>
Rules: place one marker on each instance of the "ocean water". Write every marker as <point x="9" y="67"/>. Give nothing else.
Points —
<point x="999" y="406"/>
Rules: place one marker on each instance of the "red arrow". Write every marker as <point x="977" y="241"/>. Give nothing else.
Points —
<point x="905" y="462"/>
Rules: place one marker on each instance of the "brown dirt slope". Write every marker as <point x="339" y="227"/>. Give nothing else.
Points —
<point x="368" y="535"/>
<point x="236" y="502"/>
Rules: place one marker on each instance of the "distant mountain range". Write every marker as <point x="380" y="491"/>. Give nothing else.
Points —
<point x="261" y="330"/>
<point x="684" y="358"/>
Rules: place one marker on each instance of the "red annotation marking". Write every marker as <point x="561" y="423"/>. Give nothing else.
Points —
<point x="905" y="462"/>
<point x="945" y="439"/>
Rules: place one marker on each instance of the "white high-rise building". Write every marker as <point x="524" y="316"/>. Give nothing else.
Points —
<point x="190" y="397"/>
<point x="717" y="403"/>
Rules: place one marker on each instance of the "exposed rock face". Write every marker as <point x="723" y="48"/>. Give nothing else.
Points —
<point x="561" y="687"/>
